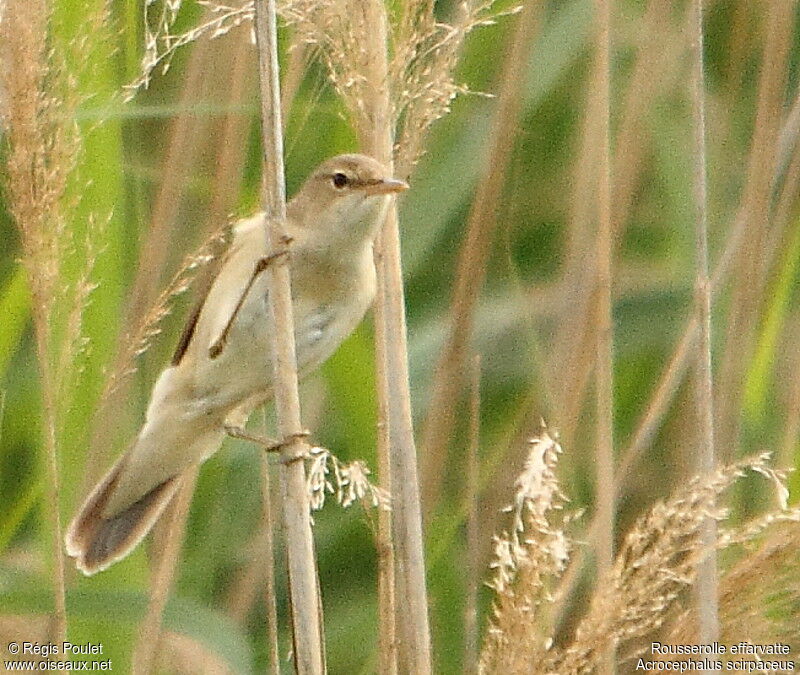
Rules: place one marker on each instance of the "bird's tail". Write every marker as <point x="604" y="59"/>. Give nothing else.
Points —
<point x="95" y="541"/>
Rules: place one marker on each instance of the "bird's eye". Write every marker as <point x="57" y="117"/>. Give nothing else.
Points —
<point x="340" y="180"/>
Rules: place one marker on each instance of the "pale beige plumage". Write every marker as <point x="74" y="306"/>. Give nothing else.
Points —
<point x="220" y="375"/>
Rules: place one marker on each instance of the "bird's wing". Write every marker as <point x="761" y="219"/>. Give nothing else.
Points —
<point x="243" y="234"/>
<point x="191" y="323"/>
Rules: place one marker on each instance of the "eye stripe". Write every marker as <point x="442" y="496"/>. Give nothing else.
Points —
<point x="341" y="180"/>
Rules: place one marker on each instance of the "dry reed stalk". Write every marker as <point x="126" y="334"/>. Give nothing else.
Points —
<point x="672" y="375"/>
<point x="604" y="336"/>
<point x="706" y="588"/>
<point x="268" y="561"/>
<point x="471" y="266"/>
<point x="791" y="432"/>
<point x="746" y="22"/>
<point x="185" y="143"/>
<point x="745" y="304"/>
<point x="146" y="651"/>
<point x="575" y="338"/>
<point x="261" y="566"/>
<point x="294" y="72"/>
<point x="471" y="499"/>
<point x="573" y="353"/>
<point x="742" y="26"/>
<point x="665" y="390"/>
<point x="304" y="592"/>
<point x="387" y="599"/>
<point x="231" y="147"/>
<point x="411" y="629"/>
<point x="652" y="70"/>
<point x="784" y="222"/>
<point x="244" y="591"/>
<point x="394" y="635"/>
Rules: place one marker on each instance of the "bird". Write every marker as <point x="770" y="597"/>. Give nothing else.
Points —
<point x="222" y="367"/>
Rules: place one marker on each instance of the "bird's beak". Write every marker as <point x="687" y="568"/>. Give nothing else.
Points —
<point x="386" y="186"/>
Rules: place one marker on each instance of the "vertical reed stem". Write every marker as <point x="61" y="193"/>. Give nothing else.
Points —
<point x="707" y="582"/>
<point x="270" y="598"/>
<point x="604" y="338"/>
<point x="304" y="595"/>
<point x="145" y="656"/>
<point x="471" y="636"/>
<point x="387" y="600"/>
<point x="604" y="334"/>
<point x="411" y="618"/>
<point x="44" y="351"/>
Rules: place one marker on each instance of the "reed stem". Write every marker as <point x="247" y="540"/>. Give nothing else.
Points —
<point x="304" y="592"/>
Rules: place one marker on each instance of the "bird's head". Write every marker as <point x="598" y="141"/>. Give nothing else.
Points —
<point x="345" y="199"/>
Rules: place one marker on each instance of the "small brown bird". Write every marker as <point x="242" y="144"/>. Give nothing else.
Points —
<point x="222" y="368"/>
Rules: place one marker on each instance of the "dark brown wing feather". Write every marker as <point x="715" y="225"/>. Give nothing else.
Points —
<point x="188" y="330"/>
<point x="191" y="322"/>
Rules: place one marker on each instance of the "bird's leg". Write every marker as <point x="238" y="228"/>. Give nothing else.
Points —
<point x="261" y="264"/>
<point x="268" y="444"/>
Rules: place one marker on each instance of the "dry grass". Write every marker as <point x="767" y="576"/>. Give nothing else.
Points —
<point x="758" y="596"/>
<point x="43" y="152"/>
<point x="655" y="566"/>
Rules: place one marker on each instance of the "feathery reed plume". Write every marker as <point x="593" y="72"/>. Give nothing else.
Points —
<point x="424" y="53"/>
<point x="43" y="152"/>
<point x="759" y="596"/>
<point x="655" y="565"/>
<point x="348" y="483"/>
<point x="527" y="563"/>
<point x="161" y="42"/>
<point x="421" y="72"/>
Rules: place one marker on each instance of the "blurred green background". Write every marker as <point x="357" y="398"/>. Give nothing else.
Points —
<point x="183" y="156"/>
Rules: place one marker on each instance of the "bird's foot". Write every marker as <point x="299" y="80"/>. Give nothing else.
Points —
<point x="298" y="453"/>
